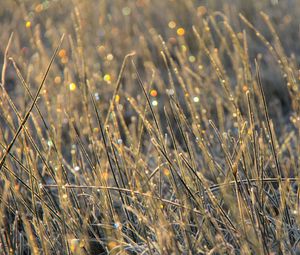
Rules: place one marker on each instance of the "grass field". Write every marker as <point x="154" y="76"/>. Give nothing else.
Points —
<point x="149" y="127"/>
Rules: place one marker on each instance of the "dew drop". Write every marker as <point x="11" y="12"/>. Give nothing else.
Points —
<point x="50" y="143"/>
<point x="196" y="99"/>
<point x="76" y="168"/>
<point x="154" y="103"/>
<point x="97" y="96"/>
<point x="170" y="92"/>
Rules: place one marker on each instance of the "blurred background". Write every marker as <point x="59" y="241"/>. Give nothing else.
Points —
<point x="107" y="30"/>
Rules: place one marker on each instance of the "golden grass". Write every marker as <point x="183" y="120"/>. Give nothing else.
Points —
<point x="149" y="127"/>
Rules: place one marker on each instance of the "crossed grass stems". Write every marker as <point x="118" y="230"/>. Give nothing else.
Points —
<point x="188" y="203"/>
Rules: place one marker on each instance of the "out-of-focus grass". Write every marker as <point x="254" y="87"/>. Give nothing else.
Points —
<point x="162" y="127"/>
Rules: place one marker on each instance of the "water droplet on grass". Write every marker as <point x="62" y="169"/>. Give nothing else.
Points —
<point x="97" y="96"/>
<point x="50" y="143"/>
<point x="196" y="99"/>
<point x="154" y="103"/>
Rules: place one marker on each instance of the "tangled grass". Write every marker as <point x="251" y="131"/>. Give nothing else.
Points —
<point x="149" y="127"/>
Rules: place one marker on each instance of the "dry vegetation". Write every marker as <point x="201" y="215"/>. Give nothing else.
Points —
<point x="149" y="127"/>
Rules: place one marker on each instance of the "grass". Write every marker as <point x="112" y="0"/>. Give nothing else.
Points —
<point x="149" y="127"/>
